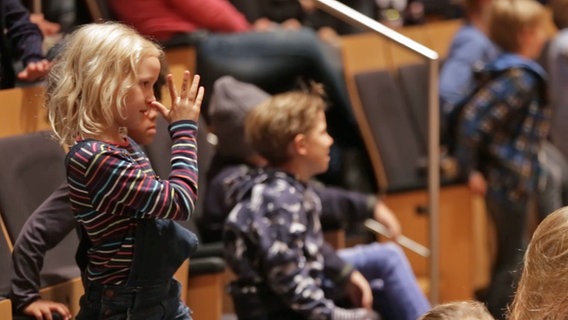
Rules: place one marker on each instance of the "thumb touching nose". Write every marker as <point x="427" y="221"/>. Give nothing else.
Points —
<point x="161" y="109"/>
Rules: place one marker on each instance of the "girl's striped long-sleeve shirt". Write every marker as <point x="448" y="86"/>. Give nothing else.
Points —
<point x="111" y="186"/>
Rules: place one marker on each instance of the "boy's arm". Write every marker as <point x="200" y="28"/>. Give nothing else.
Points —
<point x="287" y="275"/>
<point x="334" y="267"/>
<point x="49" y="224"/>
<point x="340" y="206"/>
<point x="283" y="243"/>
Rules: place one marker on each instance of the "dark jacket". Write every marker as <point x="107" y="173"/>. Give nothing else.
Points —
<point x="21" y="41"/>
<point x="274" y="244"/>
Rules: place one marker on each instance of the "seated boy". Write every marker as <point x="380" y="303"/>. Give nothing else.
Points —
<point x="231" y="101"/>
<point x="273" y="237"/>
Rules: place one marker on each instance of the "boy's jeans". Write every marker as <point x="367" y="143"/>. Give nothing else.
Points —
<point x="396" y="294"/>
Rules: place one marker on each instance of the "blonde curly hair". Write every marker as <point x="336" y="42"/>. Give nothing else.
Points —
<point x="91" y="76"/>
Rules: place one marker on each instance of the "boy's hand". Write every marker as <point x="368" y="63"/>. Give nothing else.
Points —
<point x="42" y="309"/>
<point x="477" y="183"/>
<point x="384" y="215"/>
<point x="186" y="105"/>
<point x="359" y="291"/>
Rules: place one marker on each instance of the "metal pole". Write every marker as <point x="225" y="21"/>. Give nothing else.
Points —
<point x="354" y="17"/>
<point x="434" y="179"/>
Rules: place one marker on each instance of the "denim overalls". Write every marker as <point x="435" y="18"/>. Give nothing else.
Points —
<point x="150" y="293"/>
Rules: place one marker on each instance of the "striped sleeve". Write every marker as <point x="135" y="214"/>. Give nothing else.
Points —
<point x="118" y="185"/>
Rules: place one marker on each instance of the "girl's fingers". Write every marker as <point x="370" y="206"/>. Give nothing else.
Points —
<point x="194" y="86"/>
<point x="161" y="109"/>
<point x="184" y="85"/>
<point x="199" y="98"/>
<point x="171" y="88"/>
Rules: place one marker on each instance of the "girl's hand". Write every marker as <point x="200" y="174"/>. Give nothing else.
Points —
<point x="185" y="106"/>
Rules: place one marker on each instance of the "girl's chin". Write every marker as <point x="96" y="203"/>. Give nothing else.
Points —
<point x="145" y="139"/>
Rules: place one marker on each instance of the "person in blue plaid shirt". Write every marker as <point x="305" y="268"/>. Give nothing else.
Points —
<point x="502" y="130"/>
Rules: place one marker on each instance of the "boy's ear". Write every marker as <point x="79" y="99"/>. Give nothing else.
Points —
<point x="299" y="144"/>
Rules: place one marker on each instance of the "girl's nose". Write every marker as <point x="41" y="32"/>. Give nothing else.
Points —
<point x="152" y="112"/>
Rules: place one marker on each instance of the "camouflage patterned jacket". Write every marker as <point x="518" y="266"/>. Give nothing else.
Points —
<point x="274" y="244"/>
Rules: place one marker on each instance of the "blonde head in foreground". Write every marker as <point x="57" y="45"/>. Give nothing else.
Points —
<point x="542" y="291"/>
<point x="458" y="310"/>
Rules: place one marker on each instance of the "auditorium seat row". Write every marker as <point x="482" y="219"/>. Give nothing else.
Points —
<point x="388" y="87"/>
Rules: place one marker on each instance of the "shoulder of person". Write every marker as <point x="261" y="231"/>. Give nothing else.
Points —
<point x="89" y="150"/>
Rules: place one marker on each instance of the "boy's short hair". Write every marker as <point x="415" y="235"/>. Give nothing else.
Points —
<point x="272" y="125"/>
<point x="559" y="9"/>
<point x="458" y="310"/>
<point x="508" y="18"/>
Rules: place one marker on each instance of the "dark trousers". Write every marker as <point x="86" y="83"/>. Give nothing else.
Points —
<point x="510" y="221"/>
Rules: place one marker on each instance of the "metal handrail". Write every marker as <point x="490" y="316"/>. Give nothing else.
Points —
<point x="354" y="17"/>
